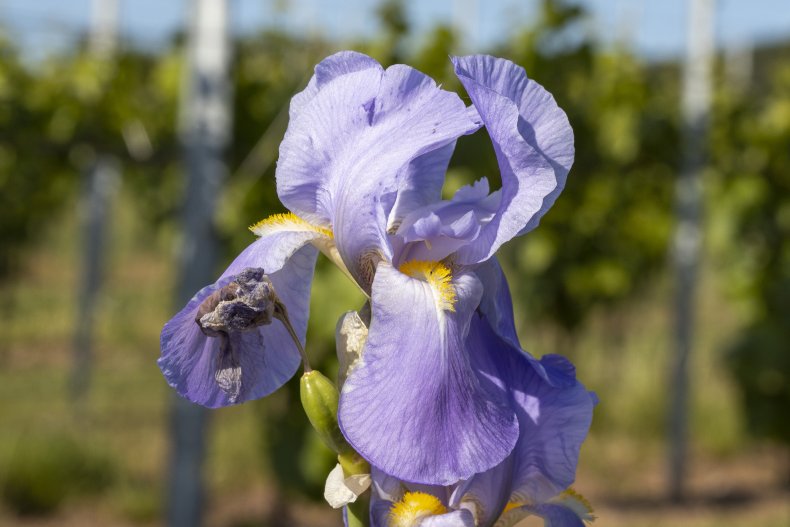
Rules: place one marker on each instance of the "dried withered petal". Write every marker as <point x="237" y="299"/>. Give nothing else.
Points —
<point x="228" y="372"/>
<point x="244" y="304"/>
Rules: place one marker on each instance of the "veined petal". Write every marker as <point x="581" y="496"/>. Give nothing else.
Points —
<point x="553" y="514"/>
<point x="413" y="406"/>
<point x="337" y="65"/>
<point x="267" y="356"/>
<point x="485" y="494"/>
<point x="496" y="307"/>
<point x="533" y="142"/>
<point x="439" y="229"/>
<point x="349" y="147"/>
<point x="421" y="184"/>
<point x="497" y="303"/>
<point x="554" y="412"/>
<point x="313" y="144"/>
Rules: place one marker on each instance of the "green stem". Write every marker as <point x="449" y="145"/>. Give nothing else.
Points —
<point x="358" y="513"/>
<point x="282" y="314"/>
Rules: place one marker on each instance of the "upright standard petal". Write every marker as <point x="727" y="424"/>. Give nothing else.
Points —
<point x="413" y="406"/>
<point x="533" y="142"/>
<point x="315" y="138"/>
<point x="439" y="229"/>
<point x="349" y="148"/>
<point x="337" y="65"/>
<point x="554" y="412"/>
<point x="421" y="183"/>
<point x="251" y="364"/>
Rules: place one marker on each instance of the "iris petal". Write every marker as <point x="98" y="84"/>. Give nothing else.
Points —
<point x="533" y="142"/>
<point x="486" y="494"/>
<point x="267" y="355"/>
<point x="387" y="491"/>
<point x="337" y="65"/>
<point x="421" y="183"/>
<point x="379" y="513"/>
<point x="350" y="149"/>
<point x="554" y="411"/>
<point x="413" y="406"/>
<point x="554" y="515"/>
<point x="312" y="154"/>
<point x="459" y="518"/>
<point x="497" y="302"/>
<point x="445" y="226"/>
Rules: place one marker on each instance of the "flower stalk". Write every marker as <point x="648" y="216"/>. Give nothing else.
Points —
<point x="281" y="314"/>
<point x="320" y="401"/>
<point x="358" y="512"/>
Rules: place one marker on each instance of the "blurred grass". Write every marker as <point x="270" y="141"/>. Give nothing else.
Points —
<point x="622" y="355"/>
<point x="46" y="469"/>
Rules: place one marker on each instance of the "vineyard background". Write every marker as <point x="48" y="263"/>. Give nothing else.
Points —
<point x="593" y="282"/>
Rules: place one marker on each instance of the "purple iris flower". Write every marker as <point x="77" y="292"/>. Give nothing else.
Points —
<point x="554" y="413"/>
<point x="361" y="169"/>
<point x="397" y="504"/>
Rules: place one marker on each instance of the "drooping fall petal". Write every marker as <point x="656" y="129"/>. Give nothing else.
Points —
<point x="224" y="370"/>
<point x="413" y="406"/>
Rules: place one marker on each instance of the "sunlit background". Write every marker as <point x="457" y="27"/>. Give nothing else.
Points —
<point x="94" y="97"/>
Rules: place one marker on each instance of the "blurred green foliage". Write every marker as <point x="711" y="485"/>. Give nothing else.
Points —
<point x="47" y="469"/>
<point x="607" y="236"/>
<point x="58" y="115"/>
<point x="139" y="501"/>
<point x="752" y="143"/>
<point x="33" y="178"/>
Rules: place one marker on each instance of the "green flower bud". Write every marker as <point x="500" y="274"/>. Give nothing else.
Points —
<point x="319" y="399"/>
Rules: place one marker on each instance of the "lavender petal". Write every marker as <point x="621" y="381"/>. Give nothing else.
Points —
<point x="197" y="366"/>
<point x="533" y="142"/>
<point x="413" y="406"/>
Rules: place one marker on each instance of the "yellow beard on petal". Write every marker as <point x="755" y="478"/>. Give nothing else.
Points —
<point x="577" y="503"/>
<point x="440" y="278"/>
<point x="413" y="507"/>
<point x="286" y="222"/>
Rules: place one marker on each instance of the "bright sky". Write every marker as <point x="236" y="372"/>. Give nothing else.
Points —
<point x="655" y="27"/>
